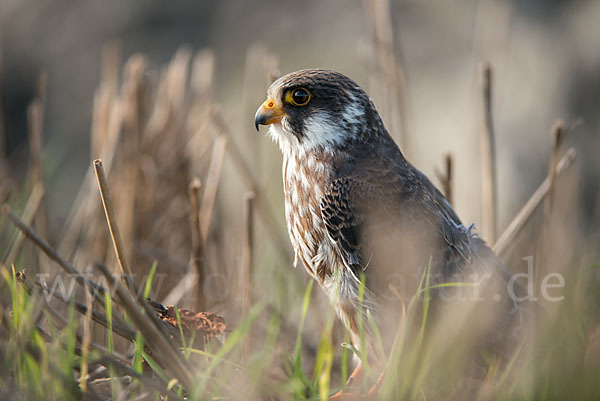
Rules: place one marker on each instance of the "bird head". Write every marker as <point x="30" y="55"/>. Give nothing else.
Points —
<point x="317" y="108"/>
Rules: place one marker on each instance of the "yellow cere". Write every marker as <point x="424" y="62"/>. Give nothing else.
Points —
<point x="269" y="103"/>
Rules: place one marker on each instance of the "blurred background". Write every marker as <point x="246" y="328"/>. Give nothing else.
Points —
<point x="165" y="92"/>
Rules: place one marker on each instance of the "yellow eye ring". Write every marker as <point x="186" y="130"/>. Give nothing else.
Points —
<point x="298" y="97"/>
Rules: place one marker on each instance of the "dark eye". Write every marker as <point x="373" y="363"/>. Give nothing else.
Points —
<point x="299" y="97"/>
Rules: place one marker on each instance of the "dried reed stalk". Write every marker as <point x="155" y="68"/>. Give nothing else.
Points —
<point x="524" y="215"/>
<point x="35" y="118"/>
<point x="212" y="185"/>
<point x="202" y="75"/>
<point x="111" y="63"/>
<point x="560" y="133"/>
<point x="559" y="136"/>
<point x="188" y="284"/>
<point x="390" y="72"/>
<point x="3" y="162"/>
<point x="86" y="340"/>
<point x="126" y="184"/>
<point x="446" y="178"/>
<point x="96" y="289"/>
<point x="193" y="279"/>
<point x="197" y="242"/>
<point x="246" y="263"/>
<point x="119" y="327"/>
<point x="489" y="186"/>
<point x="107" y="114"/>
<point x="197" y="120"/>
<point x="112" y="225"/>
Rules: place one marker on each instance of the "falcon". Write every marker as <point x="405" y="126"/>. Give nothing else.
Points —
<point x="359" y="214"/>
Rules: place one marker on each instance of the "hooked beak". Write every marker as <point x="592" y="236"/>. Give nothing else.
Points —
<point x="268" y="113"/>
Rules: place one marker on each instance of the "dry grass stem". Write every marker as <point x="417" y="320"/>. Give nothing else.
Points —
<point x="112" y="225"/>
<point x="197" y="242"/>
<point x="446" y="177"/>
<point x="202" y="75"/>
<point x="390" y="72"/>
<point x="111" y="64"/>
<point x="558" y="139"/>
<point x="44" y="292"/>
<point x="212" y="185"/>
<point x="187" y="285"/>
<point x="6" y="184"/>
<point x="52" y="254"/>
<point x="489" y="185"/>
<point x="246" y="262"/>
<point x="3" y="165"/>
<point x="559" y="136"/>
<point x="35" y="119"/>
<point x="523" y="216"/>
<point x="87" y="338"/>
<point x="560" y="133"/>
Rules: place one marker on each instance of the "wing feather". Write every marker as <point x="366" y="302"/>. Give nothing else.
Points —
<point x="342" y="222"/>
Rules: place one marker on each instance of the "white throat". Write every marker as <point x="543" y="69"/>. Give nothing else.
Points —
<point x="319" y="132"/>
